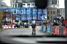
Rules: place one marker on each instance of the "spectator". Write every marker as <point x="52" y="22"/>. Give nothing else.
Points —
<point x="33" y="27"/>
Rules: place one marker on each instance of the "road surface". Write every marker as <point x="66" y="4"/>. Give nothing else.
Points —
<point x="19" y="36"/>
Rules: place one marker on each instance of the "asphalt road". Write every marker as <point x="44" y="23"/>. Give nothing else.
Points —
<point x="20" y="36"/>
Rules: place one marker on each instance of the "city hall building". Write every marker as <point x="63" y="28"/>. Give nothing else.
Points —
<point x="25" y="11"/>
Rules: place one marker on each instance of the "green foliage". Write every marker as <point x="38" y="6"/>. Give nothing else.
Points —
<point x="0" y="23"/>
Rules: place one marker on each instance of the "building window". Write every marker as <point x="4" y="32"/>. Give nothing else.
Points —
<point x="15" y="5"/>
<point x="33" y="4"/>
<point x="53" y="12"/>
<point x="58" y="10"/>
<point x="23" y="3"/>
<point x="54" y="1"/>
<point x="19" y="0"/>
<point x="28" y="4"/>
<point x="48" y="12"/>
<point x="49" y="1"/>
<point x="27" y="1"/>
<point x="19" y="4"/>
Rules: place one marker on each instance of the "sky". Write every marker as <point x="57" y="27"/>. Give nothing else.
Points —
<point x="61" y="3"/>
<point x="7" y="2"/>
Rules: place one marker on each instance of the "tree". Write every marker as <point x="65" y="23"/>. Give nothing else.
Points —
<point x="1" y="16"/>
